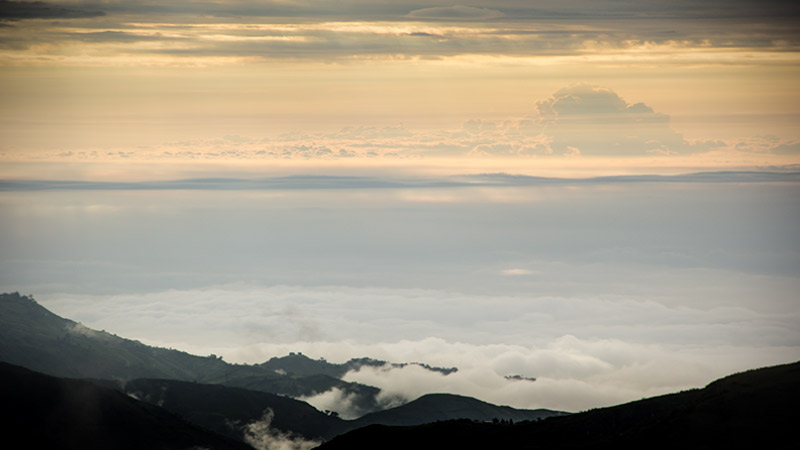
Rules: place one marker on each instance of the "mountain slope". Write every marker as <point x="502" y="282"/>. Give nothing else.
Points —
<point x="754" y="409"/>
<point x="40" y="411"/>
<point x="33" y="337"/>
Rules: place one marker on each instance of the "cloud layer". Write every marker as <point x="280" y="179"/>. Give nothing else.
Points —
<point x="199" y="30"/>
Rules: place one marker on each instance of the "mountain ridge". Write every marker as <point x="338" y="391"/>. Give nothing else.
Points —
<point x="751" y="409"/>
<point x="34" y="337"/>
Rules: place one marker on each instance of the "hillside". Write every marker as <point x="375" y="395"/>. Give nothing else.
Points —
<point x="40" y="411"/>
<point x="754" y="409"/>
<point x="33" y="337"/>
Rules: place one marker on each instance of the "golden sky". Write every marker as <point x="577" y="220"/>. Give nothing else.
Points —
<point x="115" y="81"/>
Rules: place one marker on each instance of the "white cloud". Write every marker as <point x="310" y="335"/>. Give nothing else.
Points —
<point x="261" y="436"/>
<point x="337" y="400"/>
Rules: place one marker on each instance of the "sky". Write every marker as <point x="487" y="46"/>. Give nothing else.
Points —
<point x="600" y="195"/>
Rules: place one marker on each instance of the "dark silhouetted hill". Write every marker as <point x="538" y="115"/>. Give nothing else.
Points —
<point x="754" y="409"/>
<point x="44" y="412"/>
<point x="300" y="364"/>
<point x="225" y="409"/>
<point x="438" y="407"/>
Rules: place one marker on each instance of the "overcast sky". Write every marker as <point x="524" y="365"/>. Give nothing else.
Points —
<point x="601" y="195"/>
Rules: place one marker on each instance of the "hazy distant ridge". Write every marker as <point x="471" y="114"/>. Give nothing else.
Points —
<point x="304" y="182"/>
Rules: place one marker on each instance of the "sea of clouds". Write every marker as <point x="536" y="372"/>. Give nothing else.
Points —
<point x="583" y="352"/>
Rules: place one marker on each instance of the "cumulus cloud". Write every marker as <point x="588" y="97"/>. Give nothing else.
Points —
<point x="591" y="120"/>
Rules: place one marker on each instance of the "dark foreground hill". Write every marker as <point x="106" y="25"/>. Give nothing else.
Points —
<point x="225" y="410"/>
<point x="754" y="409"/>
<point x="44" y="412"/>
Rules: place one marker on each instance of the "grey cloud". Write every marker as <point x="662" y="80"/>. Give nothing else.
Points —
<point x="536" y="30"/>
<point x="11" y="10"/>
<point x="548" y="9"/>
<point x="424" y="34"/>
<point x="116" y="36"/>
<point x="455" y="12"/>
<point x="792" y="148"/>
